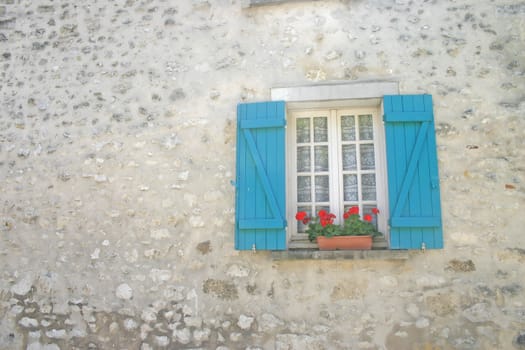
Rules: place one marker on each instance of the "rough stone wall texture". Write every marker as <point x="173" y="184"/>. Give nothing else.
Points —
<point x="117" y="140"/>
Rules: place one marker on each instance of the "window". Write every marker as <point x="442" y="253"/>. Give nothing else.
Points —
<point x="335" y="161"/>
<point x="403" y="168"/>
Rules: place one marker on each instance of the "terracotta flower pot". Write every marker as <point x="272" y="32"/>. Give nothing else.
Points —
<point x="344" y="242"/>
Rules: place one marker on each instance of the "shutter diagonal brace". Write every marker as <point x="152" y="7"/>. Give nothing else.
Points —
<point x="262" y="174"/>
<point x="411" y="170"/>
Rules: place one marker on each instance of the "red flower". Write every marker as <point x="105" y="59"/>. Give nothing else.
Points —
<point x="375" y="211"/>
<point x="301" y="215"/>
<point x="322" y="213"/>
<point x="367" y="217"/>
<point x="353" y="210"/>
<point x="306" y="221"/>
<point x="328" y="219"/>
<point x="346" y="215"/>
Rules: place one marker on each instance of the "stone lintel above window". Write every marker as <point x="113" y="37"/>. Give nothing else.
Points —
<point x="359" y="90"/>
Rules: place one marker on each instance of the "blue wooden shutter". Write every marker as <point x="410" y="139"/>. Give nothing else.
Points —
<point x="413" y="180"/>
<point x="260" y="179"/>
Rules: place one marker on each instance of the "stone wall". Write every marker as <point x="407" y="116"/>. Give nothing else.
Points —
<point x="117" y="147"/>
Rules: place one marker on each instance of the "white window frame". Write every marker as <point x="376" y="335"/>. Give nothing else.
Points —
<point x="335" y="161"/>
<point x="358" y="94"/>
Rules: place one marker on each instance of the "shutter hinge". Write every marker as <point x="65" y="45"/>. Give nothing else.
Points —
<point x="423" y="247"/>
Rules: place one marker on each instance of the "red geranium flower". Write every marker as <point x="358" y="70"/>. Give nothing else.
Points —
<point x="346" y="215"/>
<point x="367" y="217"/>
<point x="328" y="219"/>
<point x="306" y="221"/>
<point x="301" y="215"/>
<point x="322" y="213"/>
<point x="375" y="211"/>
<point x="353" y="210"/>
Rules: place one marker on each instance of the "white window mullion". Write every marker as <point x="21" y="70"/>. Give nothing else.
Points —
<point x="359" y="172"/>
<point x="381" y="174"/>
<point x="335" y="167"/>
<point x="312" y="167"/>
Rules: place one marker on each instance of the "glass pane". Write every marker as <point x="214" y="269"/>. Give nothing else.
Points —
<point x="320" y="129"/>
<point x="348" y="128"/>
<point x="368" y="186"/>
<point x="366" y="130"/>
<point x="349" y="157"/>
<point x="303" y="158"/>
<point x="350" y="187"/>
<point x="367" y="157"/>
<point x="304" y="189"/>
<point x="367" y="209"/>
<point x="321" y="158"/>
<point x="301" y="228"/>
<point x="303" y="130"/>
<point x="322" y="189"/>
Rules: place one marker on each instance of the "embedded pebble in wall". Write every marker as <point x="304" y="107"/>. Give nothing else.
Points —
<point x="23" y="286"/>
<point x="360" y="54"/>
<point x="477" y="313"/>
<point x="200" y="336"/>
<point x="56" y="334"/>
<point x="332" y="55"/>
<point x="162" y="341"/>
<point x="124" y="292"/>
<point x="28" y="322"/>
<point x="170" y="142"/>
<point x="245" y="322"/>
<point x="182" y="336"/>
<point x="130" y="324"/>
<point x="196" y="221"/>
<point x="269" y="322"/>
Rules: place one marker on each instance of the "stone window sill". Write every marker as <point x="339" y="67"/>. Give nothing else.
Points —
<point x="309" y="254"/>
<point x="299" y="248"/>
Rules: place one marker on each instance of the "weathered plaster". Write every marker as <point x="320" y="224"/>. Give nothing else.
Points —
<point x="117" y="151"/>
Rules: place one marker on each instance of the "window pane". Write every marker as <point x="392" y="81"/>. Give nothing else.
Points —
<point x="303" y="130"/>
<point x="367" y="157"/>
<point x="366" y="130"/>
<point x="303" y="158"/>
<point x="367" y="209"/>
<point x="368" y="185"/>
<point x="301" y="228"/>
<point x="349" y="157"/>
<point x="348" y="128"/>
<point x="321" y="158"/>
<point x="322" y="189"/>
<point x="320" y="129"/>
<point x="350" y="187"/>
<point x="304" y="189"/>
